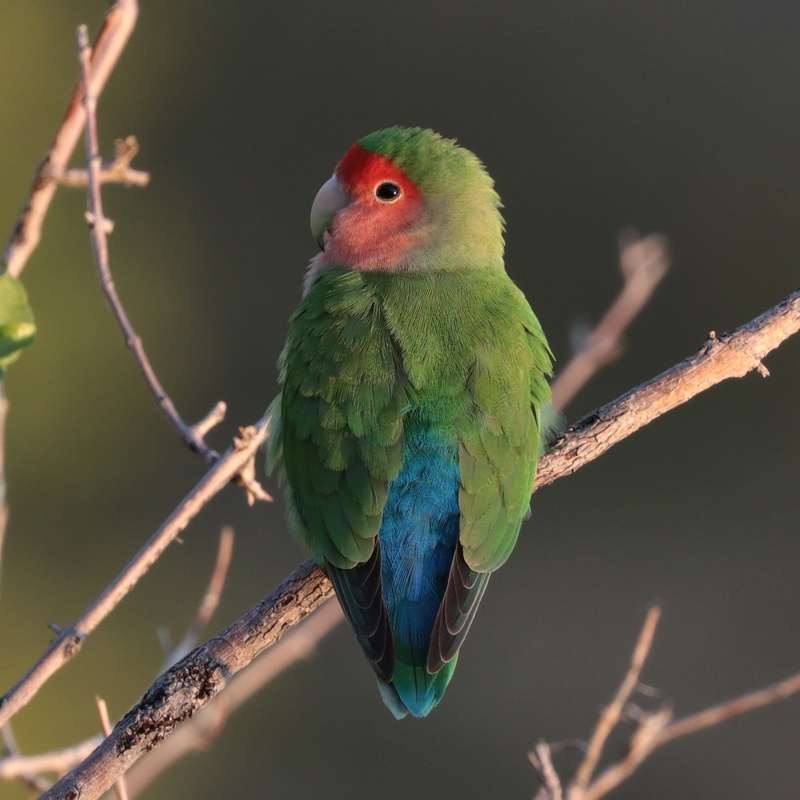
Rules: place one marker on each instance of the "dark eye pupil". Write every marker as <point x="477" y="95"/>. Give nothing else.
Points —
<point x="387" y="191"/>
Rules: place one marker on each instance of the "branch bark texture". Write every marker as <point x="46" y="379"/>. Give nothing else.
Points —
<point x="191" y="683"/>
<point x="731" y="355"/>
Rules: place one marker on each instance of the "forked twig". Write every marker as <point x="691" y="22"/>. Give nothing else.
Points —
<point x="118" y="170"/>
<point x="644" y="260"/>
<point x="613" y="712"/>
<point x="653" y="729"/>
<point x="117" y="27"/>
<point x="100" y="228"/>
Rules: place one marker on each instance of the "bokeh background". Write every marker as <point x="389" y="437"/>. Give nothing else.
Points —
<point x="673" y="117"/>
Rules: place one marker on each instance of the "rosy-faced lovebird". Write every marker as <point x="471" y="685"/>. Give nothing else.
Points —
<point x="409" y="424"/>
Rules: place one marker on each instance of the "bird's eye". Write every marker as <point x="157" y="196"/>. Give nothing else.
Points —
<point x="388" y="192"/>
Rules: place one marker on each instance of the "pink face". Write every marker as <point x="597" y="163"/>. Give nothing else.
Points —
<point x="379" y="218"/>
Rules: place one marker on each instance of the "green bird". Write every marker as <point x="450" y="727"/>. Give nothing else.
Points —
<point x="410" y="421"/>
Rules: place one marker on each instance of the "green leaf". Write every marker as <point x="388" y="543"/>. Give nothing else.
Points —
<point x="17" y="328"/>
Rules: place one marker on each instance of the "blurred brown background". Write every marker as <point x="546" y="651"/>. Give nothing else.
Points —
<point x="675" y="117"/>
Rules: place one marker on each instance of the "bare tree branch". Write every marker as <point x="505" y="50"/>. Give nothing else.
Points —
<point x="543" y="764"/>
<point x="191" y="684"/>
<point x="653" y="729"/>
<point x="15" y="766"/>
<point x="733" y="708"/>
<point x="31" y="779"/>
<point x="612" y="714"/>
<point x="201" y="731"/>
<point x="731" y="355"/>
<point x="100" y="228"/>
<point x="643" y="260"/>
<point x="118" y="170"/>
<point x="105" y="725"/>
<point x="26" y="233"/>
<point x="210" y="601"/>
<point x="69" y="641"/>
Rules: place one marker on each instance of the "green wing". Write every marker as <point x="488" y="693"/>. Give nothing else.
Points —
<point x="341" y="440"/>
<point x="498" y="465"/>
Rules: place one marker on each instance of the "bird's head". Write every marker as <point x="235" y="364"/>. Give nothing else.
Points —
<point x="407" y="199"/>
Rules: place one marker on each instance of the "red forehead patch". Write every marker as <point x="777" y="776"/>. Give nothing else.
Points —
<point x="361" y="170"/>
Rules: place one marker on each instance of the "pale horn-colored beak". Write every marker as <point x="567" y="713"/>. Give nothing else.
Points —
<point x="329" y="201"/>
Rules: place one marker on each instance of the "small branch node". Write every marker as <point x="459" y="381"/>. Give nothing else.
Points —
<point x="542" y="762"/>
<point x="104" y="223"/>
<point x="214" y="417"/>
<point x="761" y="369"/>
<point x="247" y="479"/>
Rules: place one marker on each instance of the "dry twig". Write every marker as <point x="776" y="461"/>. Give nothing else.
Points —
<point x="200" y="732"/>
<point x="100" y="228"/>
<point x="24" y="775"/>
<point x="653" y="729"/>
<point x="14" y="766"/>
<point x="643" y="262"/>
<point x="210" y="601"/>
<point x="69" y="640"/>
<point x="117" y="27"/>
<point x="542" y="762"/>
<point x="105" y="726"/>
<point x="612" y="714"/>
<point x="191" y="684"/>
<point x="118" y="170"/>
<point x="731" y="355"/>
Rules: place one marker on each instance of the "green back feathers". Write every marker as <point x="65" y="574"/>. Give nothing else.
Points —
<point x="462" y="349"/>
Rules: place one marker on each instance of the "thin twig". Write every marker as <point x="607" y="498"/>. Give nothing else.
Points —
<point x="100" y="227"/>
<point x="638" y="749"/>
<point x="105" y="726"/>
<point x="192" y="683"/>
<point x="117" y="170"/>
<point x="643" y="262"/>
<point x="731" y="355"/>
<point x="117" y="27"/>
<point x="210" y="601"/>
<point x="200" y="732"/>
<point x="613" y="712"/>
<point x="12" y="767"/>
<point x="542" y="762"/>
<point x="214" y="417"/>
<point x="27" y="776"/>
<point x="657" y="729"/>
<point x="728" y="710"/>
<point x="69" y="640"/>
<point x="652" y="729"/>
